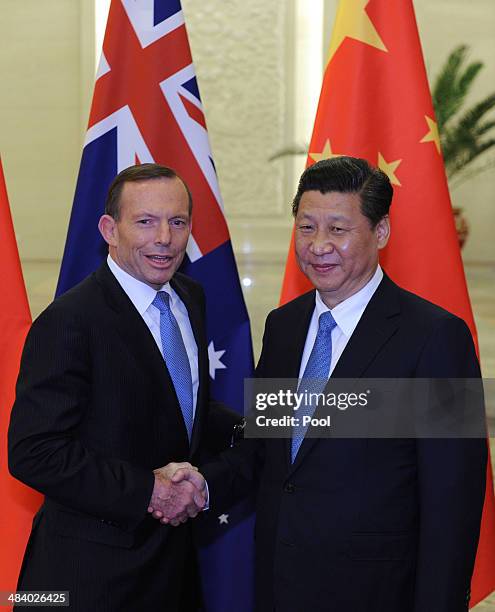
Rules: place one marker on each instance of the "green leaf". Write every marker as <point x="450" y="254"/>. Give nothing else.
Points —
<point x="461" y="136"/>
<point x="444" y="89"/>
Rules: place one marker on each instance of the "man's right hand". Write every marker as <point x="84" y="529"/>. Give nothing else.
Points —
<point x="179" y="493"/>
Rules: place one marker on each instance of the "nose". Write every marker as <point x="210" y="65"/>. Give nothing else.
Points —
<point x="322" y="243"/>
<point x="163" y="234"/>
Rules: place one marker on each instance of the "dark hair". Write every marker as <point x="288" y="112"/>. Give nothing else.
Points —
<point x="140" y="172"/>
<point x="349" y="175"/>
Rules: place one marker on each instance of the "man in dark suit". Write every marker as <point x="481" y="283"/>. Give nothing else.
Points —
<point x="364" y="525"/>
<point x="113" y="384"/>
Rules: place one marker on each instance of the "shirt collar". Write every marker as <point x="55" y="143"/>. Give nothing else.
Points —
<point x="347" y="313"/>
<point x="140" y="294"/>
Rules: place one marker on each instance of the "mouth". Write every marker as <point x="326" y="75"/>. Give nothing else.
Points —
<point x="322" y="268"/>
<point x="159" y="260"/>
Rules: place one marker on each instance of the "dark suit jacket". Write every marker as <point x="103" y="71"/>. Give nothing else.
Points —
<point x="365" y="525"/>
<point x="95" y="413"/>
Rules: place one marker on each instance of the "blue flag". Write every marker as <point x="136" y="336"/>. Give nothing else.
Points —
<point x="147" y="108"/>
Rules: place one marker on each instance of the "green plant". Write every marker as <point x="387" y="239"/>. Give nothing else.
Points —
<point x="464" y="133"/>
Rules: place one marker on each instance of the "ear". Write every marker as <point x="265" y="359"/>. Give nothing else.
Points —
<point x="108" y="229"/>
<point x="382" y="231"/>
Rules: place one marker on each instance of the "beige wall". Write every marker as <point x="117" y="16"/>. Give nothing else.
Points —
<point x="244" y="54"/>
<point x="443" y="25"/>
<point x="40" y="134"/>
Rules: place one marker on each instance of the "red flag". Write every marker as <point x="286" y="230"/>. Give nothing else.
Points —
<point x="19" y="503"/>
<point x="375" y="103"/>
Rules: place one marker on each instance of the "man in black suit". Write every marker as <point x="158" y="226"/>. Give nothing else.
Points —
<point x="113" y="384"/>
<point x="364" y="525"/>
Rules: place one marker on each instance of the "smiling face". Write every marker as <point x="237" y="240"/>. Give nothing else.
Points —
<point x="336" y="247"/>
<point x="149" y="238"/>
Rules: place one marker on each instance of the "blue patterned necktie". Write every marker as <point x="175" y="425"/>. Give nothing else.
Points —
<point x="315" y="375"/>
<point x="175" y="355"/>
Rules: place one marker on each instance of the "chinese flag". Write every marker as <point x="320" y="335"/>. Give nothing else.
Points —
<point x="375" y="103"/>
<point x="18" y="502"/>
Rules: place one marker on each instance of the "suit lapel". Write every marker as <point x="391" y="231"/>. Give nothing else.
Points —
<point x="138" y="338"/>
<point x="297" y="332"/>
<point x="378" y="323"/>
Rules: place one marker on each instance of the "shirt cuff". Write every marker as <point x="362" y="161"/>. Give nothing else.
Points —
<point x="207" y="504"/>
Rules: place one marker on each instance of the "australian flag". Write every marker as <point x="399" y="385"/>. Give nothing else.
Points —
<point x="147" y="108"/>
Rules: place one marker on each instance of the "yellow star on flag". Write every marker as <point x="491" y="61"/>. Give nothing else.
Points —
<point x="352" y="21"/>
<point x="432" y="135"/>
<point x="389" y="168"/>
<point x="325" y="154"/>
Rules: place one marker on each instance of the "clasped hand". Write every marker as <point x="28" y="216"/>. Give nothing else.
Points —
<point x="179" y="493"/>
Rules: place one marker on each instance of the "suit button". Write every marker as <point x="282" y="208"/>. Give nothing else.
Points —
<point x="289" y="487"/>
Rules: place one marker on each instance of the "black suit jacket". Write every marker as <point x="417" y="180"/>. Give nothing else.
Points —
<point x="95" y="413"/>
<point x="366" y="525"/>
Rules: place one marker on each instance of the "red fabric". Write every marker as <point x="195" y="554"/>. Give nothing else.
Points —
<point x="134" y="81"/>
<point x="18" y="502"/>
<point x="376" y="102"/>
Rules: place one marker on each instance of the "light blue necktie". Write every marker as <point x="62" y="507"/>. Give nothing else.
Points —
<point x="175" y="355"/>
<point x="315" y="375"/>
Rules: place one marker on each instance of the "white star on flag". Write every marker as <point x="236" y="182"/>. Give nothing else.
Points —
<point x="223" y="519"/>
<point x="214" y="359"/>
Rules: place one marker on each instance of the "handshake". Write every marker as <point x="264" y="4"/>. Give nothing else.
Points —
<point x="179" y="493"/>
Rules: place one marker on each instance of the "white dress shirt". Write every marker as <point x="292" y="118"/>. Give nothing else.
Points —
<point x="346" y="315"/>
<point x="142" y="296"/>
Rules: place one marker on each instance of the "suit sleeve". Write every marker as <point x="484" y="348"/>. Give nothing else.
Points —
<point x="220" y="427"/>
<point x="451" y="481"/>
<point x="45" y="451"/>
<point x="235" y="473"/>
